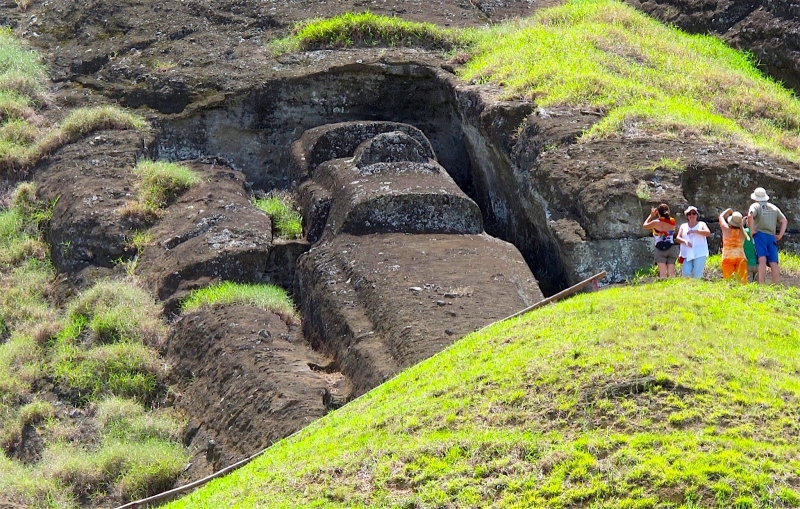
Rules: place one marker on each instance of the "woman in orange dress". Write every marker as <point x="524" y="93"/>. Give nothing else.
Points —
<point x="734" y="260"/>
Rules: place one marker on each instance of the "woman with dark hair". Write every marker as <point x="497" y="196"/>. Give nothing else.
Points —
<point x="734" y="261"/>
<point x="663" y="227"/>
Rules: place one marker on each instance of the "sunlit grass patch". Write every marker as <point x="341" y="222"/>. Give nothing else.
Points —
<point x="127" y="419"/>
<point x="25" y="269"/>
<point x="367" y="29"/>
<point x="640" y="396"/>
<point x="121" y="369"/>
<point x="14" y="105"/>
<point x="159" y="183"/>
<point x="27" y="487"/>
<point x="282" y="209"/>
<point x="118" y="311"/>
<point x="21" y="69"/>
<point x="103" y="349"/>
<point x="789" y="262"/>
<point x="140" y="469"/>
<point x="268" y="297"/>
<point x="82" y="121"/>
<point x="24" y="139"/>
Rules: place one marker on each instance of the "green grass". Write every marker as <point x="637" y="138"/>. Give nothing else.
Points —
<point x="118" y="311"/>
<point x="282" y="209"/>
<point x="128" y="420"/>
<point x="789" y="264"/>
<point x="23" y="78"/>
<point x="644" y="396"/>
<point x="96" y="354"/>
<point x="28" y="487"/>
<point x="160" y="183"/>
<point x="103" y="349"/>
<point x="137" y="469"/>
<point x="366" y="29"/>
<point x="21" y="69"/>
<point x="268" y="297"/>
<point x="643" y="76"/>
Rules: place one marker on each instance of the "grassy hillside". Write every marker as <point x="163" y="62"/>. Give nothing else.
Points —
<point x="676" y="394"/>
<point x="25" y="134"/>
<point x="77" y="386"/>
<point x="641" y="75"/>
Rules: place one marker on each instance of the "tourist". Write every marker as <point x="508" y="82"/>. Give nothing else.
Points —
<point x="663" y="226"/>
<point x="734" y="260"/>
<point x="763" y="220"/>
<point x="692" y="236"/>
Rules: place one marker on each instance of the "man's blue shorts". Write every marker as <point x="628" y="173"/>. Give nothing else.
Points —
<point x="766" y="245"/>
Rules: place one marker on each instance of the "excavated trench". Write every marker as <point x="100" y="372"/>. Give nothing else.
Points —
<point x="399" y="172"/>
<point x="473" y="140"/>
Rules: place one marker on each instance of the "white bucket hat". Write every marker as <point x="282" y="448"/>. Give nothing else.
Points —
<point x="760" y="194"/>
<point x="735" y="220"/>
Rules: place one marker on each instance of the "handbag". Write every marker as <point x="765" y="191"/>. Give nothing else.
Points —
<point x="664" y="245"/>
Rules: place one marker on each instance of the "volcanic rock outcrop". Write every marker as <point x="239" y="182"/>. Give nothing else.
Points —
<point x="402" y="267"/>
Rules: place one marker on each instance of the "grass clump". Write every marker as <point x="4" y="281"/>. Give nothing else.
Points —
<point x="23" y="137"/>
<point x="138" y="469"/>
<point x="20" y="237"/>
<point x="367" y="29"/>
<point x="160" y="183"/>
<point x="641" y="396"/>
<point x="118" y="311"/>
<point x="79" y="123"/>
<point x="103" y="349"/>
<point x="83" y="121"/>
<point x="123" y="369"/>
<point x="282" y="209"/>
<point x="128" y="420"/>
<point x="36" y="412"/>
<point x="21" y="69"/>
<point x="25" y="486"/>
<point x="268" y="297"/>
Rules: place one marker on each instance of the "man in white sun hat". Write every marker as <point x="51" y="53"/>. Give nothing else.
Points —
<point x="763" y="221"/>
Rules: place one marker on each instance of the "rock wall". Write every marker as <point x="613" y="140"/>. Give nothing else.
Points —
<point x="572" y="207"/>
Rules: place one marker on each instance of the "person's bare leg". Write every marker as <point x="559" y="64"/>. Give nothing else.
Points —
<point x="662" y="270"/>
<point x="670" y="270"/>
<point x="776" y="272"/>
<point x="762" y="269"/>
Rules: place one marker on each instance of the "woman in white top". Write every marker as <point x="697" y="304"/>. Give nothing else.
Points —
<point x="692" y="237"/>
